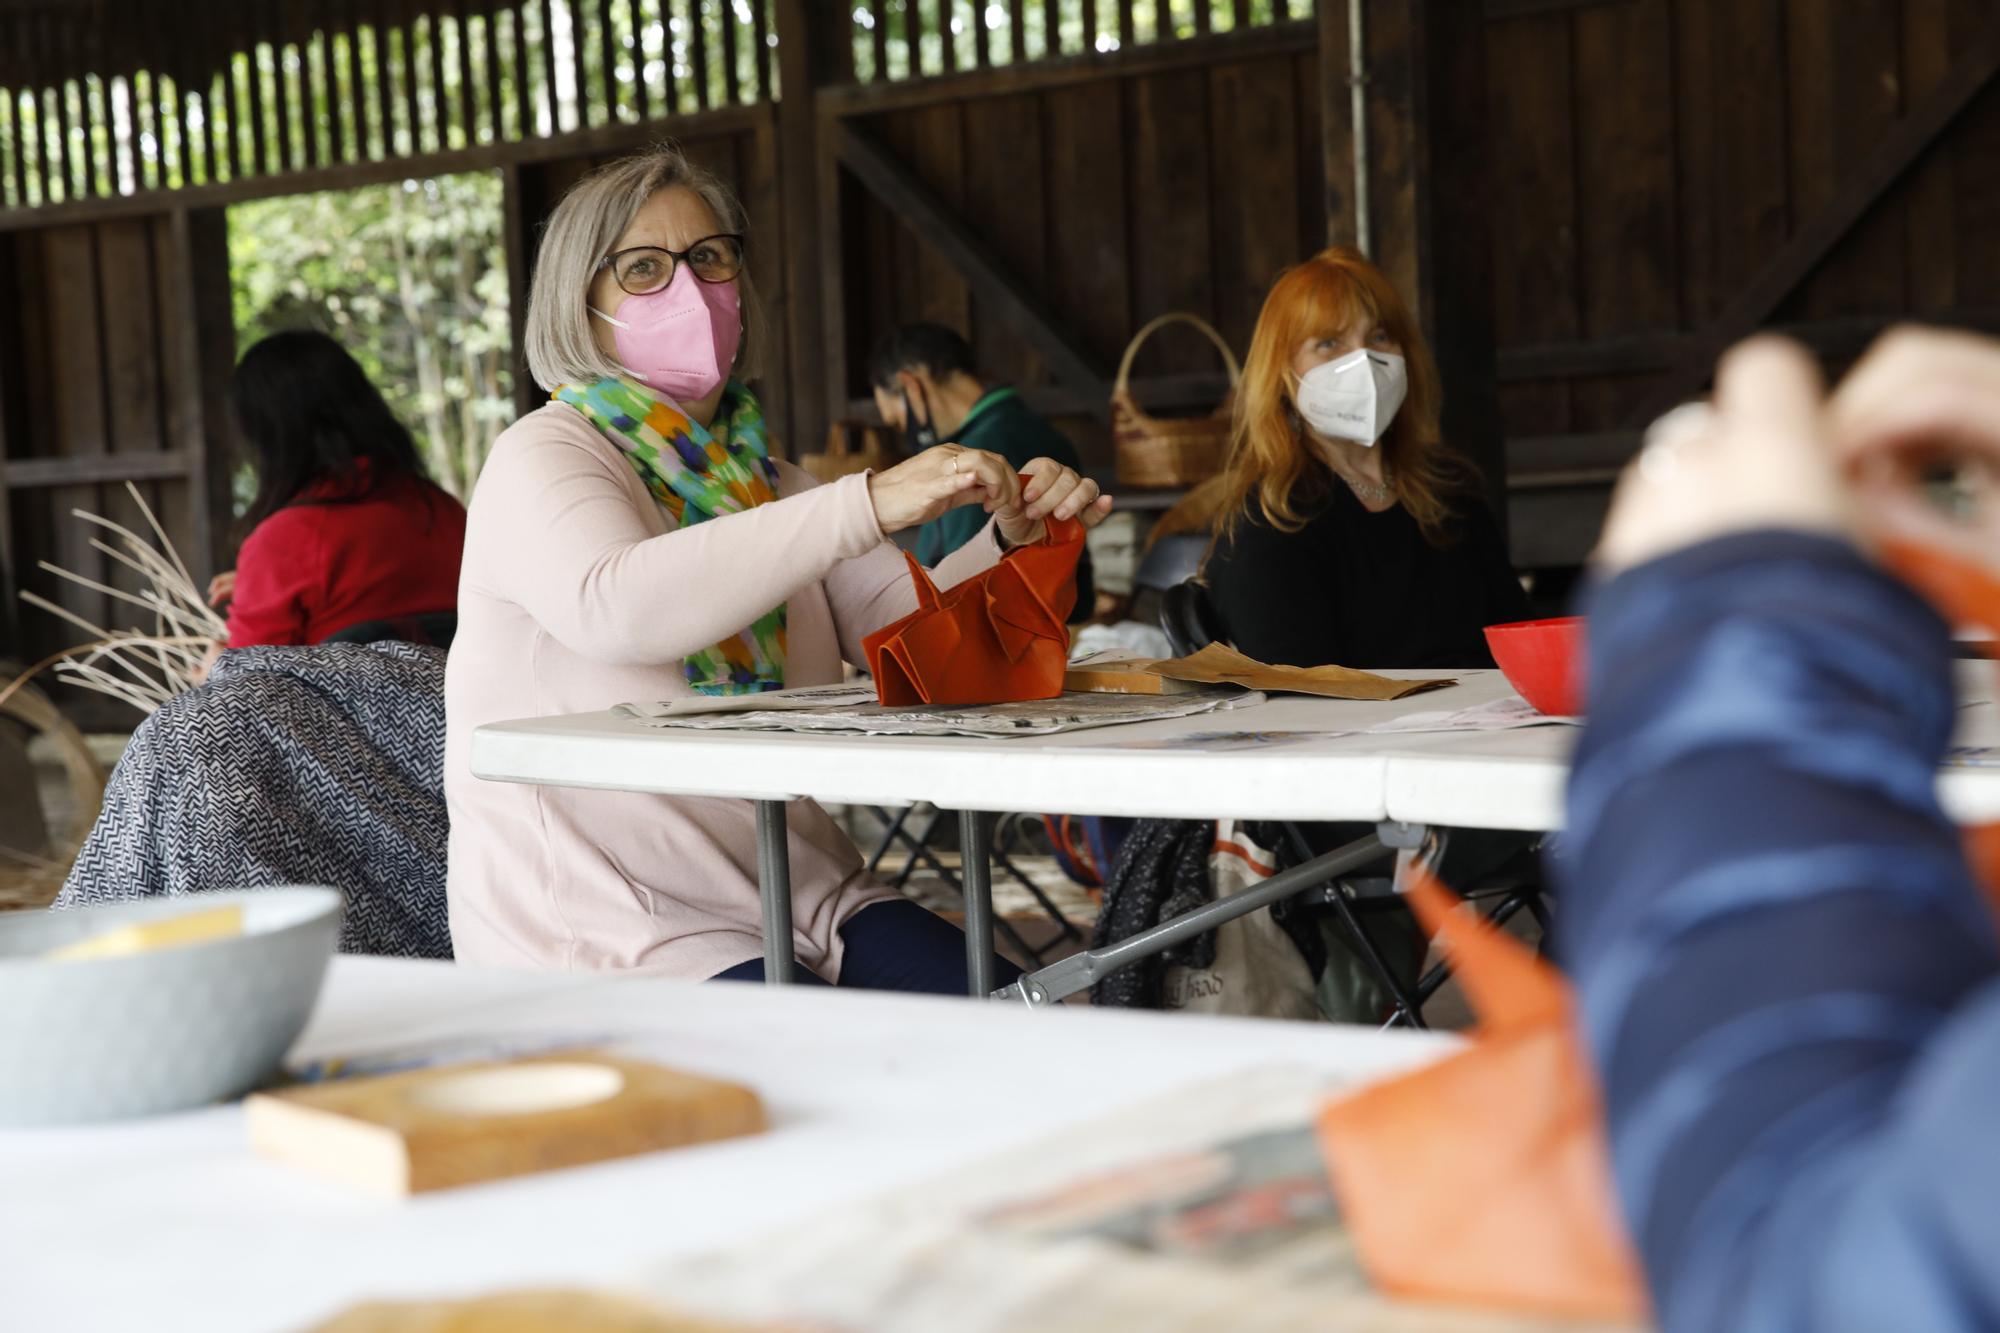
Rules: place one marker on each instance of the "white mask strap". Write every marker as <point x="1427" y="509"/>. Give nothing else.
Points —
<point x="616" y="323"/>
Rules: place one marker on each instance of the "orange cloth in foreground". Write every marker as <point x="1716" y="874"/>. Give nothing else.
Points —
<point x="1485" y="1178"/>
<point x="999" y="637"/>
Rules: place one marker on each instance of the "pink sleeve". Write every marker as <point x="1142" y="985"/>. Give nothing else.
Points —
<point x="873" y="589"/>
<point x="554" y="529"/>
<point x="277" y="571"/>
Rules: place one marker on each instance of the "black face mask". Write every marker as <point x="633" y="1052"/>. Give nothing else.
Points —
<point x="917" y="435"/>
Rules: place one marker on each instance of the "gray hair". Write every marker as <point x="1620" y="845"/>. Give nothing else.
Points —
<point x="560" y="345"/>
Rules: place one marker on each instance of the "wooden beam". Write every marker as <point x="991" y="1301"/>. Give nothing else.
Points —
<point x="1426" y="154"/>
<point x="1870" y="179"/>
<point x="1500" y="10"/>
<point x="993" y="285"/>
<point x="20" y="474"/>
<point x="604" y="140"/>
<point x="867" y="99"/>
<point x="803" y="39"/>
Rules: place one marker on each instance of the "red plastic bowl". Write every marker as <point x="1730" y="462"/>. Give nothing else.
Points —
<point x="1543" y="659"/>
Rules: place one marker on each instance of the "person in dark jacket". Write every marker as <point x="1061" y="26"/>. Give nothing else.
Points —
<point x="1787" y="977"/>
<point x="928" y="389"/>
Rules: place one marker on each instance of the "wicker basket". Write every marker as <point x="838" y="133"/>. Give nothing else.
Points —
<point x="1161" y="452"/>
<point x="843" y="457"/>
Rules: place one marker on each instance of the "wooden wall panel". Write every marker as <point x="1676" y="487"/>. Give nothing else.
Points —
<point x="1253" y="133"/>
<point x="1088" y="276"/>
<point x="1169" y="220"/>
<point x="1004" y="197"/>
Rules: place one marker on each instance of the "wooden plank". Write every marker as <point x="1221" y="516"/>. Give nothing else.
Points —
<point x="294" y="124"/>
<point x="1017" y="30"/>
<point x="1163" y="21"/>
<point x="523" y="71"/>
<point x="1067" y="71"/>
<point x="982" y="44"/>
<point x="546" y="31"/>
<point x="1004" y="200"/>
<point x="1127" y="25"/>
<point x="913" y="38"/>
<point x="1975" y="151"/>
<point x="599" y="143"/>
<point x="1930" y="239"/>
<point x="1843" y="78"/>
<point x="878" y="32"/>
<point x="991" y="283"/>
<point x="642" y="86"/>
<point x="1871" y="177"/>
<point x="198" y="420"/>
<point x="439" y="100"/>
<point x="1172" y="269"/>
<point x="76" y="359"/>
<point x="1253" y="128"/>
<point x="56" y="160"/>
<point x="1083" y="129"/>
<point x="411" y="71"/>
<point x="1533" y="220"/>
<point x="947" y="41"/>
<point x="698" y="51"/>
<point x="758" y="188"/>
<point x="461" y="51"/>
<point x="313" y="73"/>
<point x="131" y="337"/>
<point x="806" y="211"/>
<point x="760" y="32"/>
<point x="1430" y="183"/>
<point x="329" y="96"/>
<point x="579" y="65"/>
<point x="1090" y="25"/>
<point x="937" y="158"/>
<point x="43" y="473"/>
<point x="349" y="23"/>
<point x="1500" y="10"/>
<point x="732" y="80"/>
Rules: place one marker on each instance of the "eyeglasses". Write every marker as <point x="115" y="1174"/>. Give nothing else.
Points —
<point x="648" y="268"/>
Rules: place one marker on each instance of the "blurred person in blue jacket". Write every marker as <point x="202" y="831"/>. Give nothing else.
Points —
<point x="1786" y="971"/>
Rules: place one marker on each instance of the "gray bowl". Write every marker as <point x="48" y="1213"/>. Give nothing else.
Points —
<point x="162" y="1031"/>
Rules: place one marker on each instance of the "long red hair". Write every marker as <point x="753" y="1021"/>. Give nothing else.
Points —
<point x="1269" y="453"/>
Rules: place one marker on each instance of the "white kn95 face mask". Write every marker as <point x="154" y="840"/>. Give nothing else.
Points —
<point x="1354" y="397"/>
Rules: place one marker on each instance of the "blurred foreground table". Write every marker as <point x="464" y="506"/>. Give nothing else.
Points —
<point x="170" y="1223"/>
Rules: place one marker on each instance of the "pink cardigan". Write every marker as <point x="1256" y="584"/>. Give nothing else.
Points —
<point x="579" y="593"/>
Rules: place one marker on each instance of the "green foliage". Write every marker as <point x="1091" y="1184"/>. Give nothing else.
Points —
<point x="411" y="279"/>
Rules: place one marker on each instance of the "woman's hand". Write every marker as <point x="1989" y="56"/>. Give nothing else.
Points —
<point x="1759" y="456"/>
<point x="222" y="587"/>
<point x="1052" y="489"/>
<point x="919" y="489"/>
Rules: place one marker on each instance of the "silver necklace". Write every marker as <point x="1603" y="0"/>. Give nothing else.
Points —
<point x="1373" y="493"/>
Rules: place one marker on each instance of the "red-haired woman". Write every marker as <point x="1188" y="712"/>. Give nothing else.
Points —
<point x="1349" y="532"/>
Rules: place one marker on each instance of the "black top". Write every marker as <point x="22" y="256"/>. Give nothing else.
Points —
<point x="1357" y="589"/>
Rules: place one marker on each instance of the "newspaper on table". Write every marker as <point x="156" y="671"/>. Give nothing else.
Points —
<point x="1206" y="1210"/>
<point x="1505" y="714"/>
<point x="842" y="709"/>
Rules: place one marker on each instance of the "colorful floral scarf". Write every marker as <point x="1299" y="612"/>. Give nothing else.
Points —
<point x="697" y="475"/>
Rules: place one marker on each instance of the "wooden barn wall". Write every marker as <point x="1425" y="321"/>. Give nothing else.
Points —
<point x="101" y="381"/>
<point x="1113" y="200"/>
<point x="1651" y="156"/>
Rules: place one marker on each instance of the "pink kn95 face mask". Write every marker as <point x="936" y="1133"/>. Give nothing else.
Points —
<point x="682" y="339"/>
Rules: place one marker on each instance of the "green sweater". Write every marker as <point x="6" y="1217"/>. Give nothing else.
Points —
<point x="999" y="423"/>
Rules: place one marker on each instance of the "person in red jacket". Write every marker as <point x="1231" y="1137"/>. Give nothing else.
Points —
<point x="345" y="530"/>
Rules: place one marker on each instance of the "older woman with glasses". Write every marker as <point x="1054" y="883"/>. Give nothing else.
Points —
<point x="635" y="539"/>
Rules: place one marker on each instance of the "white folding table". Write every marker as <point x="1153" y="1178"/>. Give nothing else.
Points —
<point x="171" y="1223"/>
<point x="1317" y="763"/>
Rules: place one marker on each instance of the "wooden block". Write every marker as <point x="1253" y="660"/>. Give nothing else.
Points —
<point x="431" y="1129"/>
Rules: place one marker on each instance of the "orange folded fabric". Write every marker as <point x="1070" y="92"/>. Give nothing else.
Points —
<point x="1485" y="1178"/>
<point x="999" y="637"/>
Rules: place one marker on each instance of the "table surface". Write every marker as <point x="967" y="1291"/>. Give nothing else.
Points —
<point x="1500" y="780"/>
<point x="170" y="1223"/>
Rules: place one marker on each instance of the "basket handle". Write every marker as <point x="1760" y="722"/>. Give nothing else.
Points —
<point x="1153" y="326"/>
